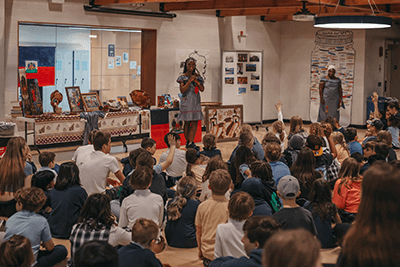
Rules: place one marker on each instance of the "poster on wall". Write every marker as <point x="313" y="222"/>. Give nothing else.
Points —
<point x="242" y="82"/>
<point x="110" y="63"/>
<point x="125" y="57"/>
<point x="111" y="50"/>
<point x="118" y="61"/>
<point x="31" y="66"/>
<point x="333" y="49"/>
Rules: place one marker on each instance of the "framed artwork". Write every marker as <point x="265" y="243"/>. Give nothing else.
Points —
<point x="75" y="99"/>
<point x="91" y="101"/>
<point x="123" y="101"/>
<point x="224" y="121"/>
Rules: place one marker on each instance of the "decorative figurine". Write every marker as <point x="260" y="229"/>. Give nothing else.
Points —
<point x="56" y="98"/>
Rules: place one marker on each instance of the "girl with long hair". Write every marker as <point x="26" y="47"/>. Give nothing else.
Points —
<point x="180" y="230"/>
<point x="374" y="238"/>
<point x="215" y="163"/>
<point x="96" y="222"/>
<point x="191" y="84"/>
<point x="15" y="174"/>
<point x="323" y="211"/>
<point x="341" y="147"/>
<point x="296" y="127"/>
<point x="67" y="199"/>
<point x="195" y="167"/>
<point x="347" y="191"/>
<point x="304" y="170"/>
<point x="244" y="159"/>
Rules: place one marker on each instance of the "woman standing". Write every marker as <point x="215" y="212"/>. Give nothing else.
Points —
<point x="330" y="94"/>
<point x="190" y="107"/>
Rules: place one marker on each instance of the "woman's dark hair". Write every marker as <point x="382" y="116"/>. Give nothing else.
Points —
<point x="185" y="189"/>
<point x="191" y="157"/>
<point x="374" y="239"/>
<point x="215" y="163"/>
<point x="321" y="199"/>
<point x="96" y="253"/>
<point x="97" y="210"/>
<point x="145" y="159"/>
<point x="244" y="155"/>
<point x="304" y="168"/>
<point x="42" y="179"/>
<point x="273" y="152"/>
<point x="16" y="252"/>
<point x="68" y="176"/>
<point x="186" y="62"/>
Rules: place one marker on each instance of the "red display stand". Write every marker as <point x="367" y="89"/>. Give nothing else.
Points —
<point x="161" y="125"/>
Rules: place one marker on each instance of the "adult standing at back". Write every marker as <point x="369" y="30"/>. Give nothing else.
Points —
<point x="97" y="165"/>
<point x="190" y="83"/>
<point x="330" y="95"/>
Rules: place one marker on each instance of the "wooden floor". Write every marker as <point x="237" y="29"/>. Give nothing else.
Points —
<point x="174" y="256"/>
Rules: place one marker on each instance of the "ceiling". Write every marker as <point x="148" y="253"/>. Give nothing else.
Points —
<point x="270" y="10"/>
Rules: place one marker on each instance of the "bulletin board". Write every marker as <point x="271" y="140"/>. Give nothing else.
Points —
<point x="242" y="82"/>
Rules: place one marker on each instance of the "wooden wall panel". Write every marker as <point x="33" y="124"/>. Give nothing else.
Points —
<point x="149" y="57"/>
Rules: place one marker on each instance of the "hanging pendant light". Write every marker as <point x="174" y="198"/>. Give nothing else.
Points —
<point x="354" y="22"/>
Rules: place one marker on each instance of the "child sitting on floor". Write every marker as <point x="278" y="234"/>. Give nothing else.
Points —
<point x="211" y="213"/>
<point x="45" y="181"/>
<point x="228" y="238"/>
<point x="142" y="203"/>
<point x="210" y="147"/>
<point x="34" y="227"/>
<point x="257" y="230"/>
<point x="292" y="216"/>
<point x="47" y="162"/>
<point x="180" y="230"/>
<point x="139" y="252"/>
<point x="17" y="251"/>
<point x="195" y="167"/>
<point x="214" y="164"/>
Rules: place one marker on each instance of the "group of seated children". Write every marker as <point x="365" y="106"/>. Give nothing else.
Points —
<point x="229" y="210"/>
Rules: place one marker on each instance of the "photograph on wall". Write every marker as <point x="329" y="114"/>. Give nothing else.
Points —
<point x="228" y="59"/>
<point x="254" y="58"/>
<point x="251" y="67"/>
<point x="240" y="68"/>
<point x="229" y="71"/>
<point x="255" y="87"/>
<point x="110" y="63"/>
<point x="241" y="90"/>
<point x="229" y="80"/>
<point x="125" y="57"/>
<point x="118" y="61"/>
<point x="31" y="66"/>
<point x="242" y="57"/>
<point x="255" y="76"/>
<point x="242" y="80"/>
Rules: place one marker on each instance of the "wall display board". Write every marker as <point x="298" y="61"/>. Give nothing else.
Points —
<point x="333" y="47"/>
<point x="242" y="82"/>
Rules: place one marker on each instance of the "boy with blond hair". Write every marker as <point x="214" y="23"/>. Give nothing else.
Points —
<point x="228" y="239"/>
<point x="211" y="213"/>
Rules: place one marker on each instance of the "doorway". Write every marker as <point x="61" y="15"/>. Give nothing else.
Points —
<point x="392" y="70"/>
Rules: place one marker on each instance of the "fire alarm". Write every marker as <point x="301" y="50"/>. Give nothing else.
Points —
<point x="242" y="34"/>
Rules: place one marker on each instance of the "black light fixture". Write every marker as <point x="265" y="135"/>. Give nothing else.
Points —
<point x="354" y="22"/>
<point x="304" y="14"/>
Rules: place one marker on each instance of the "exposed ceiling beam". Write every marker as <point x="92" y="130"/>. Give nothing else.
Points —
<point x="353" y="2"/>
<point x="110" y="2"/>
<point x="290" y="10"/>
<point x="229" y="4"/>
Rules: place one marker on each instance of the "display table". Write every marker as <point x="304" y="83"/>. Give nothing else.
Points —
<point x="69" y="128"/>
<point x="225" y="121"/>
<point x="163" y="121"/>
